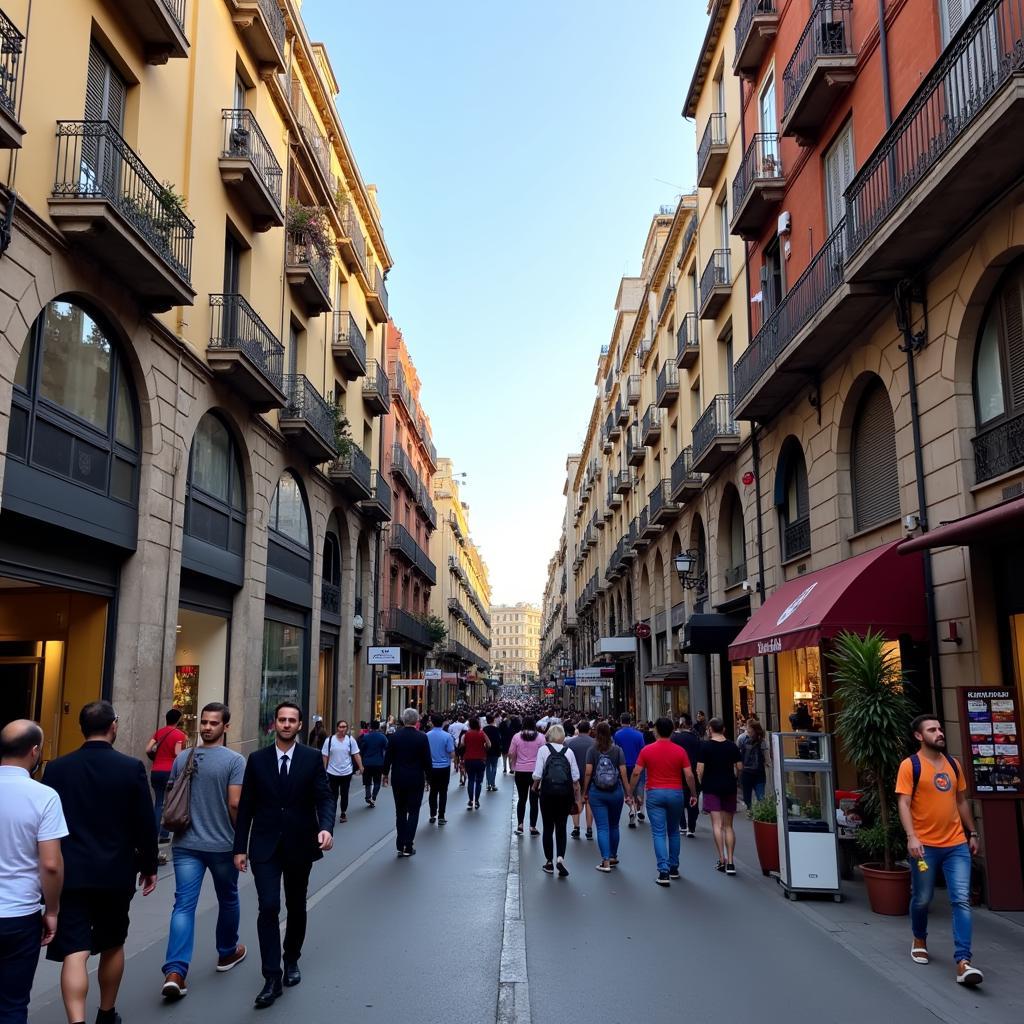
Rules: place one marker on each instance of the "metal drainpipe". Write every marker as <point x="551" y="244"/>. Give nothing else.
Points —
<point x="883" y="51"/>
<point x="914" y="343"/>
<point x="765" y="667"/>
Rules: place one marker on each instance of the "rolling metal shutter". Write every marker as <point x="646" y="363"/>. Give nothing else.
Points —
<point x="876" y="482"/>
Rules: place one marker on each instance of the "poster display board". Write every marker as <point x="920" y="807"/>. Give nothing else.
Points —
<point x="990" y="718"/>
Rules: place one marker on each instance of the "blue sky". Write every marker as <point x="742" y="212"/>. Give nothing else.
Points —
<point x="517" y="149"/>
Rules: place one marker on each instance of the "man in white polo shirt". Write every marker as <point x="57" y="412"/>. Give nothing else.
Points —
<point x="31" y="828"/>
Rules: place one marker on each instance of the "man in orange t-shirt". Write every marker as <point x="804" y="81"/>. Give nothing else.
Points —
<point x="941" y="833"/>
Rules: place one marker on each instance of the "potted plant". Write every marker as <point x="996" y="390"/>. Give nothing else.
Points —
<point x="766" y="834"/>
<point x="872" y="723"/>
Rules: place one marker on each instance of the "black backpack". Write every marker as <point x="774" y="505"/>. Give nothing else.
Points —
<point x="606" y="775"/>
<point x="753" y="755"/>
<point x="556" y="779"/>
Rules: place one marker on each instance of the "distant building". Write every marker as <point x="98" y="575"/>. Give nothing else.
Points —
<point x="515" y="642"/>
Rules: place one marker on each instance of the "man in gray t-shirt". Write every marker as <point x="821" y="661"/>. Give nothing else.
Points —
<point x="207" y="844"/>
<point x="580" y="745"/>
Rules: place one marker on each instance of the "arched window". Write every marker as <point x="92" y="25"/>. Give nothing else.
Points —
<point x="791" y="500"/>
<point x="875" y="477"/>
<point x="999" y="380"/>
<point x="215" y="493"/>
<point x="73" y="410"/>
<point x="289" y="549"/>
<point x="733" y="546"/>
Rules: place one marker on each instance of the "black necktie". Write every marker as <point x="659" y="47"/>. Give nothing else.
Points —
<point x="284" y="767"/>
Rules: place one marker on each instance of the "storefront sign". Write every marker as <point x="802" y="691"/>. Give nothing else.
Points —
<point x="411" y="683"/>
<point x="990" y="720"/>
<point x="432" y="674"/>
<point x="569" y="681"/>
<point x="772" y="646"/>
<point x="383" y="655"/>
<point x="594" y="673"/>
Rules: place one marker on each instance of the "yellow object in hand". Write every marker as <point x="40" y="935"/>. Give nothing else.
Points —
<point x="922" y="864"/>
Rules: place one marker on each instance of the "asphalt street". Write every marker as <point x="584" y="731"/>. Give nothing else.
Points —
<point x="420" y="940"/>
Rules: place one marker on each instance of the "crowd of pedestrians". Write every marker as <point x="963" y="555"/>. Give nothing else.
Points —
<point x="78" y="846"/>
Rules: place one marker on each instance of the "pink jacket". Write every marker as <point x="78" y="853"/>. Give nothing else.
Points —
<point x="522" y="754"/>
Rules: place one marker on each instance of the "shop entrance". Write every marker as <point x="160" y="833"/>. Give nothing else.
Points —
<point x="326" y="701"/>
<point x="52" y="648"/>
<point x="200" y="664"/>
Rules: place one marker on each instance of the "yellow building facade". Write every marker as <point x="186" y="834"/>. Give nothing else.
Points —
<point x="192" y="379"/>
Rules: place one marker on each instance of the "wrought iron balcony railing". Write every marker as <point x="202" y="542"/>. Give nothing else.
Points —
<point x="316" y="144"/>
<point x="305" y="403"/>
<point x="346" y="332"/>
<point x="244" y="139"/>
<point x="999" y="449"/>
<point x="667" y="295"/>
<point x="714" y="135"/>
<point x="716" y="421"/>
<point x="683" y="476"/>
<point x="717" y="273"/>
<point x="762" y="161"/>
<point x="796" y="538"/>
<point x="828" y="33"/>
<point x="303" y="252"/>
<point x="687" y="341"/>
<point x="330" y="598"/>
<point x="399" y="622"/>
<point x="745" y="19"/>
<point x="95" y="162"/>
<point x="354" y="462"/>
<point x="274" y="17"/>
<point x="11" y="46"/>
<point x="376" y="382"/>
<point x="402" y="465"/>
<point x="668" y="383"/>
<point x="735" y="575"/>
<point x="986" y="52"/>
<point x="234" y="324"/>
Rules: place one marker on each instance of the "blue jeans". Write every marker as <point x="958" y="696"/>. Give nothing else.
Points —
<point x="955" y="862"/>
<point x="189" y="868"/>
<point x="752" y="784"/>
<point x="665" y="809"/>
<point x="606" y="806"/>
<point x="492" y="769"/>
<point x="475" y="775"/>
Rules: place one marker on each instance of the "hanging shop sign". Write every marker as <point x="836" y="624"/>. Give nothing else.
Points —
<point x="642" y="631"/>
<point x="384" y="655"/>
<point x="991" y="725"/>
<point x="432" y="675"/>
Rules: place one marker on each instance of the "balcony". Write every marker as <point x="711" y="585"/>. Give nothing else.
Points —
<point x="758" y="187"/>
<point x="663" y="509"/>
<point x="376" y="391"/>
<point x="309" y="272"/>
<point x="624" y="481"/>
<point x="377" y="297"/>
<point x="668" y="293"/>
<point x="735" y="575"/>
<point x="589" y="538"/>
<point x="250" y="169"/>
<point x="812" y="324"/>
<point x="640" y="537"/>
<point x="635" y="451"/>
<point x="606" y="435"/>
<point x="400" y="540"/>
<point x="348" y="346"/>
<point x="629" y="543"/>
<point x="643" y="350"/>
<point x="686" y="484"/>
<point x="456" y="569"/>
<point x="12" y="43"/>
<point x="999" y="449"/>
<point x="649" y="528"/>
<point x="377" y="507"/>
<point x="314" y="145"/>
<point x="756" y="26"/>
<point x="261" y="25"/>
<point x="668" y="385"/>
<point x="688" y="341"/>
<point x="402" y="625"/>
<point x="244" y="352"/>
<point x="402" y="467"/>
<point x="426" y="506"/>
<point x="399" y="387"/>
<point x="712" y="152"/>
<point x="351" y="471"/>
<point x="954" y="146"/>
<point x="632" y="391"/>
<point x="621" y="415"/>
<point x="650" y="426"/>
<point x="796" y="538"/>
<point x="822" y="66"/>
<point x="307" y="419"/>
<point x="425" y="567"/>
<point x="716" y="436"/>
<point x="351" y="244"/>
<point x="160" y="24"/>
<point x="614" y="496"/>
<point x="106" y="202"/>
<point x="330" y="599"/>
<point x="715" y="284"/>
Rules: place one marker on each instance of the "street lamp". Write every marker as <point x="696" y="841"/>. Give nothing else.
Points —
<point x="685" y="563"/>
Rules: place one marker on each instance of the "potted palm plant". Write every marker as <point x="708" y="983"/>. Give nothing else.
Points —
<point x="872" y="723"/>
<point x="766" y="834"/>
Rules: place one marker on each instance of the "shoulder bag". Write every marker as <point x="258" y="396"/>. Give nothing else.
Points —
<point x="177" y="802"/>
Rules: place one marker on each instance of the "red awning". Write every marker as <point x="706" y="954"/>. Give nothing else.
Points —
<point x="877" y="590"/>
<point x="989" y="526"/>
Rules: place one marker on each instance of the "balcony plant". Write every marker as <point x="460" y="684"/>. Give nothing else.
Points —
<point x="343" y="441"/>
<point x="308" y="228"/>
<point x="872" y="723"/>
<point x="766" y="834"/>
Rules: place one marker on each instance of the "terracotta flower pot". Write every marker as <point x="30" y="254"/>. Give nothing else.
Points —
<point x="766" y="839"/>
<point x="888" y="891"/>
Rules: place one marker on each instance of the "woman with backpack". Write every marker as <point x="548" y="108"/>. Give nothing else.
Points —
<point x="522" y="759"/>
<point x="753" y="773"/>
<point x="556" y="778"/>
<point x="605" y="788"/>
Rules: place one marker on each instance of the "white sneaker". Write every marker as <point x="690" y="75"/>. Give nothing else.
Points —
<point x="968" y="975"/>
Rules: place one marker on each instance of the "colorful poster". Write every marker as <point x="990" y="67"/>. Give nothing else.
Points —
<point x="991" y="724"/>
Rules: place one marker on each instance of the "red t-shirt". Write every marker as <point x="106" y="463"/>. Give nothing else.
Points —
<point x="473" y="740"/>
<point x="167" y="739"/>
<point x="664" y="761"/>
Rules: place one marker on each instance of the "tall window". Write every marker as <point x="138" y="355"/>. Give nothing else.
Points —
<point x="791" y="500"/>
<point x="875" y="477"/>
<point x="289" y="547"/>
<point x="839" y="170"/>
<point x="999" y="380"/>
<point x="215" y="494"/>
<point x="73" y="410"/>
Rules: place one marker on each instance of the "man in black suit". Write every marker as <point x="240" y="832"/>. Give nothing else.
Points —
<point x="407" y="766"/>
<point x="112" y="837"/>
<point x="285" y="822"/>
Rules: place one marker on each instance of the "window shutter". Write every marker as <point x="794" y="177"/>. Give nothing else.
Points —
<point x="1013" y="328"/>
<point x="876" y="485"/>
<point x="95" y="85"/>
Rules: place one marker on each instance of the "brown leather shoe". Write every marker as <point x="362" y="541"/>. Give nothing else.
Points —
<point x="225" y="963"/>
<point x="174" y="987"/>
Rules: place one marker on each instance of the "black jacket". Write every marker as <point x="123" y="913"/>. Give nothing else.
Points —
<point x="286" y="818"/>
<point x="408" y="759"/>
<point x="109" y="812"/>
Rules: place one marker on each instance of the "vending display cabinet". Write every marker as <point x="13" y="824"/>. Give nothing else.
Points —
<point x="808" y="852"/>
